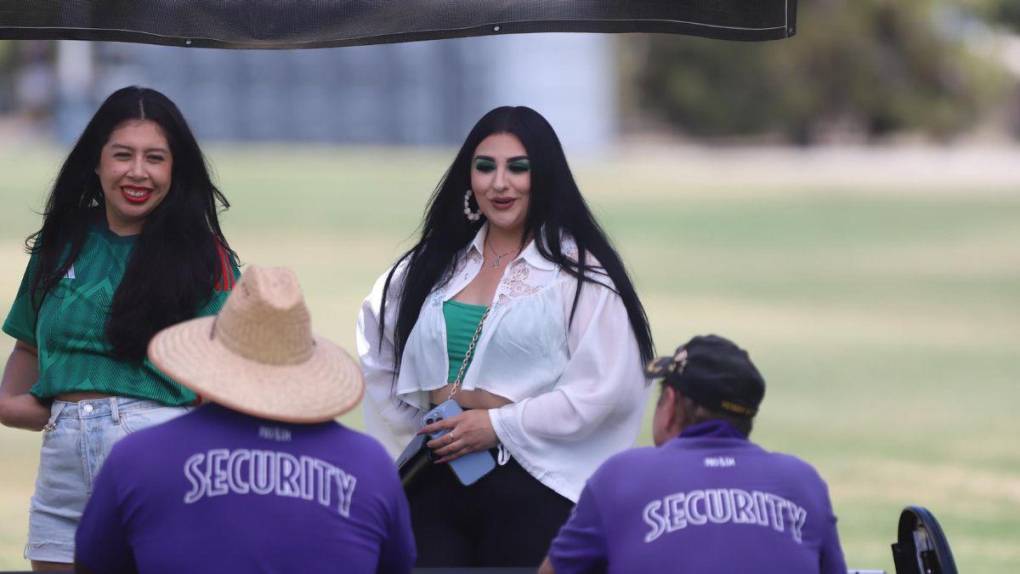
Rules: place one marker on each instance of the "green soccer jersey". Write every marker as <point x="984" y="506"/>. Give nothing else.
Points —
<point x="69" y="329"/>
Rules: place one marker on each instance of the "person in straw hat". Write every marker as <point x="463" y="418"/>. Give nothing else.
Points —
<point x="261" y="477"/>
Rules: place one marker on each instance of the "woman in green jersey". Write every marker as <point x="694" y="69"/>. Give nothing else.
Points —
<point x="130" y="243"/>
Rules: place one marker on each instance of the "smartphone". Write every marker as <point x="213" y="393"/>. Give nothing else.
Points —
<point x="470" y="467"/>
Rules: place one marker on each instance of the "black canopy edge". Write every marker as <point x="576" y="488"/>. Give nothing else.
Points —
<point x="689" y="28"/>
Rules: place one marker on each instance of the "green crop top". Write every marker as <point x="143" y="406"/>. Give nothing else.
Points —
<point x="69" y="329"/>
<point x="461" y="323"/>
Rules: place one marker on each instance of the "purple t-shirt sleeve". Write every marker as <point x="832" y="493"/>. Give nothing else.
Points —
<point x="101" y="541"/>
<point x="397" y="554"/>
<point x="580" y="545"/>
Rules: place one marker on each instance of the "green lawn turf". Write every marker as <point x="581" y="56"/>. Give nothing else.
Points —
<point x="886" y="321"/>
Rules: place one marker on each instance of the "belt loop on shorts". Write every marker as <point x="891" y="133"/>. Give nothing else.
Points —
<point x="55" y="410"/>
<point x="114" y="411"/>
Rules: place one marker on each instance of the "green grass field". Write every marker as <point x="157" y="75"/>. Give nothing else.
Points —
<point x="885" y="320"/>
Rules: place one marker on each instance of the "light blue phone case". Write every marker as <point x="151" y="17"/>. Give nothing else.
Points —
<point x="470" y="467"/>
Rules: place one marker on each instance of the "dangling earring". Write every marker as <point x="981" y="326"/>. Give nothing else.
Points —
<point x="471" y="215"/>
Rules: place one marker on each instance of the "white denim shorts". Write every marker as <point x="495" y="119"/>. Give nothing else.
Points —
<point x="75" y="443"/>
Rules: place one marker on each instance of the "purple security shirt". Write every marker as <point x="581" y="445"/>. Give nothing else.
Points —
<point x="220" y="491"/>
<point x="709" y="501"/>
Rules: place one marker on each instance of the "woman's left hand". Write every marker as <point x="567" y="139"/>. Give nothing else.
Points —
<point x="470" y="431"/>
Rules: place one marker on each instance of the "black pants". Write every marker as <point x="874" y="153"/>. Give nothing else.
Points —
<point x="506" y="519"/>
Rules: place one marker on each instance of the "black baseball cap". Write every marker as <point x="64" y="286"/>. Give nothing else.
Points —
<point x="714" y="373"/>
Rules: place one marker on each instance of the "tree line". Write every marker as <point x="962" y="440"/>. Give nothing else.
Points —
<point x="869" y="67"/>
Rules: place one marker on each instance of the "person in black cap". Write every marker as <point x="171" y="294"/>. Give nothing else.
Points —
<point x="707" y="499"/>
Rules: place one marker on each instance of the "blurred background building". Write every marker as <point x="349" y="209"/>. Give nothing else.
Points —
<point x="423" y="93"/>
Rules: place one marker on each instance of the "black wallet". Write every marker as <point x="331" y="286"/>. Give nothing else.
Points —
<point x="415" y="458"/>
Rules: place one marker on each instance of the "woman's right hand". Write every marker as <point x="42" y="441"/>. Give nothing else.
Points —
<point x="18" y="408"/>
<point x="23" y="412"/>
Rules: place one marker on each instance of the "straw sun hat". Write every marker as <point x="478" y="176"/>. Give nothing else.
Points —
<point x="259" y="356"/>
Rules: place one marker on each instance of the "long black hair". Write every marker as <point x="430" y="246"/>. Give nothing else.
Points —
<point x="179" y="256"/>
<point x="555" y="206"/>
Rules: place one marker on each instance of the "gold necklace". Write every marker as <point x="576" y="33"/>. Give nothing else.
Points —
<point x="499" y="258"/>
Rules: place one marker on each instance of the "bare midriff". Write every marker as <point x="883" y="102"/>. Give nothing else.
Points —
<point x="81" y="396"/>
<point x="470" y="399"/>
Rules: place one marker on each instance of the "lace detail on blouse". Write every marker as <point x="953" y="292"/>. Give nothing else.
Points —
<point x="516" y="283"/>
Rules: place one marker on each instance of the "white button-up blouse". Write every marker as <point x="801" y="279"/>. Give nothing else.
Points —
<point x="578" y="389"/>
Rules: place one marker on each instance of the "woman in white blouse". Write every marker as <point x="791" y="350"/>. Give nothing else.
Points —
<point x="511" y="257"/>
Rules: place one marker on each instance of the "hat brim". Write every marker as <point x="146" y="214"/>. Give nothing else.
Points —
<point x="658" y="368"/>
<point x="319" y="389"/>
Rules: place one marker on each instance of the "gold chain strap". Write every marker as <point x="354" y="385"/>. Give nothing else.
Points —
<point x="468" y="354"/>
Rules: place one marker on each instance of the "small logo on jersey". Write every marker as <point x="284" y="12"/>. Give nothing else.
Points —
<point x="70" y="273"/>
<point x="720" y="461"/>
<point x="278" y="434"/>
